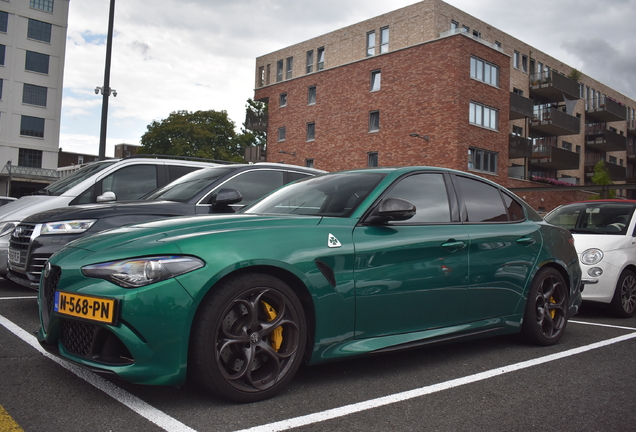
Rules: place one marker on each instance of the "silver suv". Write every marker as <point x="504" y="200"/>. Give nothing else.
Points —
<point x="103" y="181"/>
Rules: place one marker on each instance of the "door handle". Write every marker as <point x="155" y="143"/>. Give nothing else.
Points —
<point x="527" y="241"/>
<point x="452" y="244"/>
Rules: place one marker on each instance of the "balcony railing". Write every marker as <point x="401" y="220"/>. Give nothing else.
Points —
<point x="631" y="127"/>
<point x="520" y="106"/>
<point x="604" y="109"/>
<point x="616" y="172"/>
<point x="548" y="157"/>
<point x="519" y="147"/>
<point x="551" y="121"/>
<point x="604" y="140"/>
<point x="553" y="86"/>
<point x="256" y="121"/>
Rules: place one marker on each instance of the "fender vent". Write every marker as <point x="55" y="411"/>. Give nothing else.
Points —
<point x="327" y="272"/>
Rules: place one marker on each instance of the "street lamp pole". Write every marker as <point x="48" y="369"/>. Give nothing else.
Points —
<point x="106" y="90"/>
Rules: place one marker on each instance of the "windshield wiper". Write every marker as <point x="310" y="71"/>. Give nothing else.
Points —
<point x="41" y="192"/>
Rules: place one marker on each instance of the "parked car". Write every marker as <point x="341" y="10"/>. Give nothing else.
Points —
<point x="211" y="190"/>
<point x="349" y="263"/>
<point x="103" y="181"/>
<point x="605" y="238"/>
<point x="6" y="200"/>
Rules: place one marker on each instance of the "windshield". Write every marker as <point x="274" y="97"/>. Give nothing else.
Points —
<point x="336" y="195"/>
<point x="62" y="185"/>
<point x="593" y="218"/>
<point x="186" y="187"/>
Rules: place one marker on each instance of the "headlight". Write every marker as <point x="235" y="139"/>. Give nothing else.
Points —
<point x="592" y="256"/>
<point x="7" y="228"/>
<point x="138" y="272"/>
<point x="67" y="227"/>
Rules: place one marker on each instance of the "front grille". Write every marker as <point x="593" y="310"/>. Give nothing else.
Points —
<point x="20" y="241"/>
<point x="77" y="338"/>
<point x="36" y="265"/>
<point x="50" y="285"/>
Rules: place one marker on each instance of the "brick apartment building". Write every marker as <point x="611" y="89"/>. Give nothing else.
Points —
<point x="431" y="85"/>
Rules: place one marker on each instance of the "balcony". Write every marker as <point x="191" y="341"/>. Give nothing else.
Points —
<point x="631" y="127"/>
<point x="553" y="86"/>
<point x="604" y="140"/>
<point x="519" y="147"/>
<point x="551" y="121"/>
<point x="256" y="121"/>
<point x="548" y="157"/>
<point x="616" y="172"/>
<point x="520" y="107"/>
<point x="604" y="109"/>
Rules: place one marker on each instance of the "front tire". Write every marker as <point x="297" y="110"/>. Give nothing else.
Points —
<point x="623" y="304"/>
<point x="248" y="338"/>
<point x="546" y="313"/>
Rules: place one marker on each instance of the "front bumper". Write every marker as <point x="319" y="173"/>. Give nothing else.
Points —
<point x="600" y="289"/>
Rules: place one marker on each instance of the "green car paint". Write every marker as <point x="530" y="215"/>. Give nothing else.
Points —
<point x="364" y="287"/>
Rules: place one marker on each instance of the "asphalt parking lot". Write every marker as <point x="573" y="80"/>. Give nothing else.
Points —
<point x="585" y="383"/>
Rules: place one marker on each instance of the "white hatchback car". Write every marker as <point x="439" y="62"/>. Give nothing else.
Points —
<point x="605" y="240"/>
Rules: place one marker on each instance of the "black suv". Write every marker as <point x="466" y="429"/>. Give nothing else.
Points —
<point x="220" y="189"/>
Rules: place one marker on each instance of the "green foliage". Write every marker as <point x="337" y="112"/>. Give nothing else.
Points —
<point x="575" y="75"/>
<point x="251" y="137"/>
<point x="602" y="177"/>
<point x="203" y="134"/>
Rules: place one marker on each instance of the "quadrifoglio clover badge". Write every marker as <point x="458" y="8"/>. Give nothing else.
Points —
<point x="332" y="241"/>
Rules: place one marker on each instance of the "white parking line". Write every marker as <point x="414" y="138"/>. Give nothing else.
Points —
<point x="18" y="298"/>
<point x="168" y="423"/>
<point x="145" y="410"/>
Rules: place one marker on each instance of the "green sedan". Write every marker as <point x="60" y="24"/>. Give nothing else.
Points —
<point x="345" y="264"/>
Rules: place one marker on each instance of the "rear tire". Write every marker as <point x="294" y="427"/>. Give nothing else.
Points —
<point x="546" y="314"/>
<point x="248" y="338"/>
<point x="623" y="304"/>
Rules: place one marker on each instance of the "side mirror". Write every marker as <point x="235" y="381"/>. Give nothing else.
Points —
<point x="107" y="197"/>
<point x="391" y="210"/>
<point x="227" y="197"/>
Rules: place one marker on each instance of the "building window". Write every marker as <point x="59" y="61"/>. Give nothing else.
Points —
<point x="279" y="71"/>
<point x="454" y="25"/>
<point x="36" y="62"/>
<point x="281" y="133"/>
<point x="268" y="74"/>
<point x="282" y="100"/>
<point x="476" y="34"/>
<point x="39" y="30"/>
<point x="566" y="145"/>
<point x="384" y="40"/>
<point x="34" y="95"/>
<point x="32" y="126"/>
<point x="482" y="115"/>
<point x="483" y="71"/>
<point x="482" y="160"/>
<point x="311" y="131"/>
<point x="309" y="163"/>
<point x="517" y="131"/>
<point x="3" y="50"/>
<point x="311" y="95"/>
<point x="45" y="5"/>
<point x="372" y="159"/>
<point x="374" y="121"/>
<point x="1" y="87"/>
<point x="321" y="58"/>
<point x="498" y="44"/>
<point x="4" y="21"/>
<point x="370" y="43"/>
<point x="524" y="63"/>
<point x="261" y="76"/>
<point x="290" y="67"/>
<point x="30" y="158"/>
<point x="310" y="61"/>
<point x="612" y="160"/>
<point x="515" y="90"/>
<point x="515" y="60"/>
<point x="465" y="29"/>
<point x="376" y="77"/>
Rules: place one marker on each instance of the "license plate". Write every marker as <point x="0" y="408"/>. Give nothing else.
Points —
<point x="14" y="256"/>
<point x="88" y="307"/>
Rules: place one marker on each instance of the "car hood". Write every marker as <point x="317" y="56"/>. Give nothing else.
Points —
<point x="606" y="243"/>
<point x="27" y="205"/>
<point x="98" y="211"/>
<point x="169" y="235"/>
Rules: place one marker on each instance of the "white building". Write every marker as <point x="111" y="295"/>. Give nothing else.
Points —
<point x="32" y="50"/>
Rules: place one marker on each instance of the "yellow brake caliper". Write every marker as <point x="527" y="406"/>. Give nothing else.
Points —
<point x="552" y="312"/>
<point x="276" y="339"/>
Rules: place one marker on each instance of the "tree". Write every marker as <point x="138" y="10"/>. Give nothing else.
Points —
<point x="602" y="177"/>
<point x="253" y="134"/>
<point x="203" y="134"/>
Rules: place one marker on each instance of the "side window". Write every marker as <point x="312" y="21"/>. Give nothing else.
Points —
<point x="428" y="193"/>
<point x="255" y="184"/>
<point x="483" y="202"/>
<point x="293" y="176"/>
<point x="176" y="171"/>
<point x="515" y="210"/>
<point x="131" y="182"/>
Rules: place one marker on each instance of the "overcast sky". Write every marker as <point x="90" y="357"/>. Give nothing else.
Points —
<point x="171" y="55"/>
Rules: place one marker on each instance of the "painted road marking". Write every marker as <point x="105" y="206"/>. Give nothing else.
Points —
<point x="7" y="424"/>
<point x="18" y="298"/>
<point x="168" y="423"/>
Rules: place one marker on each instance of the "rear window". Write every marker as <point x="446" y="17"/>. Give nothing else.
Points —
<point x="593" y="218"/>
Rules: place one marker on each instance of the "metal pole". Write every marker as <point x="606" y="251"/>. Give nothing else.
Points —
<point x="106" y="88"/>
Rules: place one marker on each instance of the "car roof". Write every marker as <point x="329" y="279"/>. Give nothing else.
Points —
<point x="623" y="201"/>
